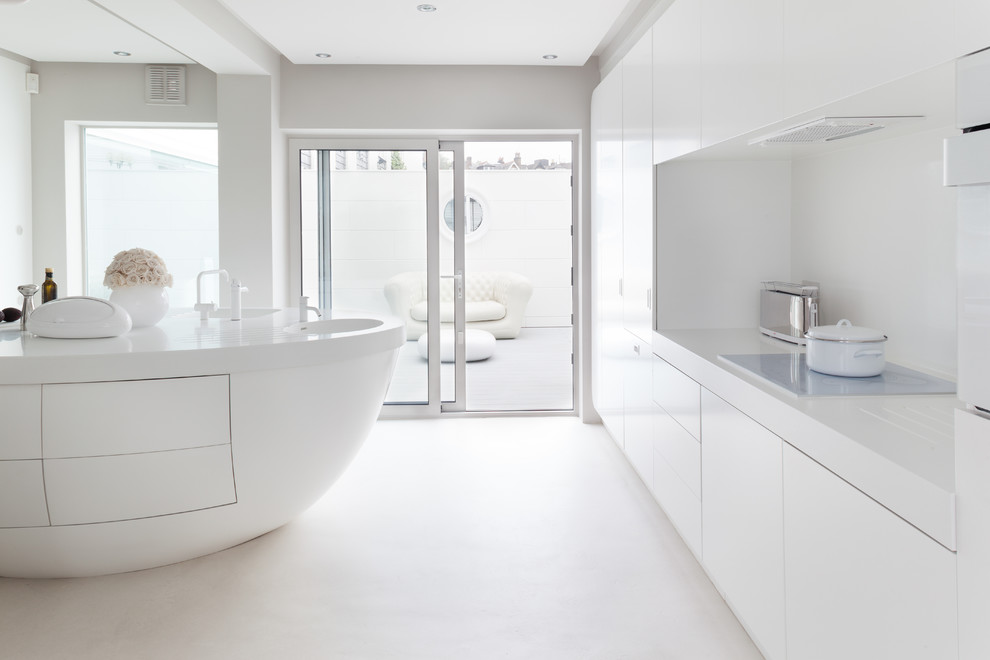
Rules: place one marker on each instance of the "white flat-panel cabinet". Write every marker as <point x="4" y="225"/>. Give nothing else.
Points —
<point x="848" y="46"/>
<point x="22" y="494"/>
<point x="20" y="410"/>
<point x="106" y="488"/>
<point x="677" y="453"/>
<point x="741" y="67"/>
<point x="637" y="188"/>
<point x="973" y="533"/>
<point x="129" y="417"/>
<point x="742" y="520"/>
<point x="677" y="81"/>
<point x="862" y="583"/>
<point x="639" y="408"/>
<point x="608" y="337"/>
<point x="972" y="31"/>
<point x="679" y="395"/>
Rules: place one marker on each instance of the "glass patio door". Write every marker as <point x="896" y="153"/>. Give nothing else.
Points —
<point x="369" y="241"/>
<point x="471" y="249"/>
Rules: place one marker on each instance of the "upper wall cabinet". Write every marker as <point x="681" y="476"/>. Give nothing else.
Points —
<point x="849" y="46"/>
<point x="637" y="188"/>
<point x="608" y="337"/>
<point x="741" y="65"/>
<point x="972" y="26"/>
<point x="677" y="81"/>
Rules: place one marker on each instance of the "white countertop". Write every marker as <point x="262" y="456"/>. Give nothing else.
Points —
<point x="183" y="345"/>
<point x="899" y="450"/>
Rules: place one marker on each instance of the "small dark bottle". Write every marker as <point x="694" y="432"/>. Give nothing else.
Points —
<point x="49" y="290"/>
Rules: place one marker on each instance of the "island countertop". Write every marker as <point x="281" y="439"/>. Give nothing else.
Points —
<point x="181" y="345"/>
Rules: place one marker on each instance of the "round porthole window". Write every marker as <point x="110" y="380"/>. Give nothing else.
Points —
<point x="476" y="218"/>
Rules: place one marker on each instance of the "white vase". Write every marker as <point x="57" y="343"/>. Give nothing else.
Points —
<point x="146" y="303"/>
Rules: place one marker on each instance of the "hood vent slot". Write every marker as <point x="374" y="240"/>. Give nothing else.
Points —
<point x="165" y="84"/>
<point x="828" y="129"/>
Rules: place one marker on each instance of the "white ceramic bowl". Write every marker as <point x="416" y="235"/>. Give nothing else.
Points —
<point x="846" y="350"/>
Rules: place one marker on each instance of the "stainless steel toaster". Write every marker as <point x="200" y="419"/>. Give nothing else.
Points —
<point x="787" y="310"/>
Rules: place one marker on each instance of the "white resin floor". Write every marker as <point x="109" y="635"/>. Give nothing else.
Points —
<point x="449" y="539"/>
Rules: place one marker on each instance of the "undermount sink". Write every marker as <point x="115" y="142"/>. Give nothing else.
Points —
<point x="330" y="326"/>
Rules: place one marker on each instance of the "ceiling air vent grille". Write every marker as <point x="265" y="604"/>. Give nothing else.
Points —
<point x="165" y="84"/>
<point x="828" y="129"/>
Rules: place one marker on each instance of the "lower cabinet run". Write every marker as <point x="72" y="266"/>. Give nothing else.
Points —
<point x="862" y="583"/>
<point x="742" y="504"/>
<point x="813" y="568"/>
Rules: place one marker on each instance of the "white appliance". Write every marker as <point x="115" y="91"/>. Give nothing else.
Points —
<point x="967" y="165"/>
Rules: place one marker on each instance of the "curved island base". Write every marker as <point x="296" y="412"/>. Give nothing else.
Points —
<point x="184" y="440"/>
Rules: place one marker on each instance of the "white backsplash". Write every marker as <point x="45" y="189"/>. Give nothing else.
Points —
<point x="874" y="225"/>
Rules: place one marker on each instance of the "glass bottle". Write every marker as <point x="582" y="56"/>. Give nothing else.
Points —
<point x="49" y="290"/>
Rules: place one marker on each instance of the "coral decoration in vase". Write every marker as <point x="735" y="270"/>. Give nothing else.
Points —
<point x="137" y="279"/>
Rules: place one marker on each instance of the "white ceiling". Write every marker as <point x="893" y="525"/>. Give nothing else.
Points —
<point x="506" y="32"/>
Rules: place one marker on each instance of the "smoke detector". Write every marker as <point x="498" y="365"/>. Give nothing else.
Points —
<point x="828" y="129"/>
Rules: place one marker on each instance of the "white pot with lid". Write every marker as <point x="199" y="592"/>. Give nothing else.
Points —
<point x="846" y="350"/>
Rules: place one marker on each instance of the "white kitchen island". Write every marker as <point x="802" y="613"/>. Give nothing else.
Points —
<point x="177" y="440"/>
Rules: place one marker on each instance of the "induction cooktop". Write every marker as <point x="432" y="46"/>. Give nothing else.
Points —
<point x="790" y="371"/>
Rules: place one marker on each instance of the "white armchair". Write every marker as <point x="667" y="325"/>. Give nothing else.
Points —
<point x="493" y="301"/>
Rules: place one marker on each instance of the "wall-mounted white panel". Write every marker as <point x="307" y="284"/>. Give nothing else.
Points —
<point x="742" y="51"/>
<point x="678" y="395"/>
<point x="20" y="414"/>
<point x="105" y="488"/>
<point x="849" y="46"/>
<point x="677" y="81"/>
<point x="742" y="520"/>
<point x="861" y="582"/>
<point x="22" y="494"/>
<point x="607" y="332"/>
<point x="127" y="417"/>
<point x="637" y="188"/>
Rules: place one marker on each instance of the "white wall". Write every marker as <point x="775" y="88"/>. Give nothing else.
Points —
<point x="722" y="228"/>
<point x="15" y="182"/>
<point x="876" y="227"/>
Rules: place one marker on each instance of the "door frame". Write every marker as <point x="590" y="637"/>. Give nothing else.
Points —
<point x="401" y="141"/>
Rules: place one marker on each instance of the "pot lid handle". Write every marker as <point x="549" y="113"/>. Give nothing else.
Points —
<point x="844" y="322"/>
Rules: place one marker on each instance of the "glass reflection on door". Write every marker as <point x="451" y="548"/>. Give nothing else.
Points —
<point x="364" y="245"/>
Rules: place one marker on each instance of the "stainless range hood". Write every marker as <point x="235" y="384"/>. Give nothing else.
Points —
<point x="828" y="129"/>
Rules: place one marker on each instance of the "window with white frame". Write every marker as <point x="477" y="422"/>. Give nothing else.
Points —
<point x="152" y="188"/>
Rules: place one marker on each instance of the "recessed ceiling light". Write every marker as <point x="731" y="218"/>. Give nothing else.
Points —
<point x="323" y="55"/>
<point x="550" y="57"/>
<point x="426" y="8"/>
<point x="121" y="53"/>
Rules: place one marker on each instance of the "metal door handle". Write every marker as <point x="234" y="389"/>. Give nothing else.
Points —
<point x="458" y="284"/>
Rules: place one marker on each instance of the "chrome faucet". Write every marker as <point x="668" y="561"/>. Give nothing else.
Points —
<point x="304" y="309"/>
<point x="203" y="308"/>
<point x="235" y="299"/>
<point x="28" y="291"/>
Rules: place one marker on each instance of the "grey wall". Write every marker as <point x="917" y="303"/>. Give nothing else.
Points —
<point x="89" y="93"/>
<point x="15" y="181"/>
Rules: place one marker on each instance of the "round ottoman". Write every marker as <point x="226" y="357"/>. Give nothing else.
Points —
<point x="478" y="345"/>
